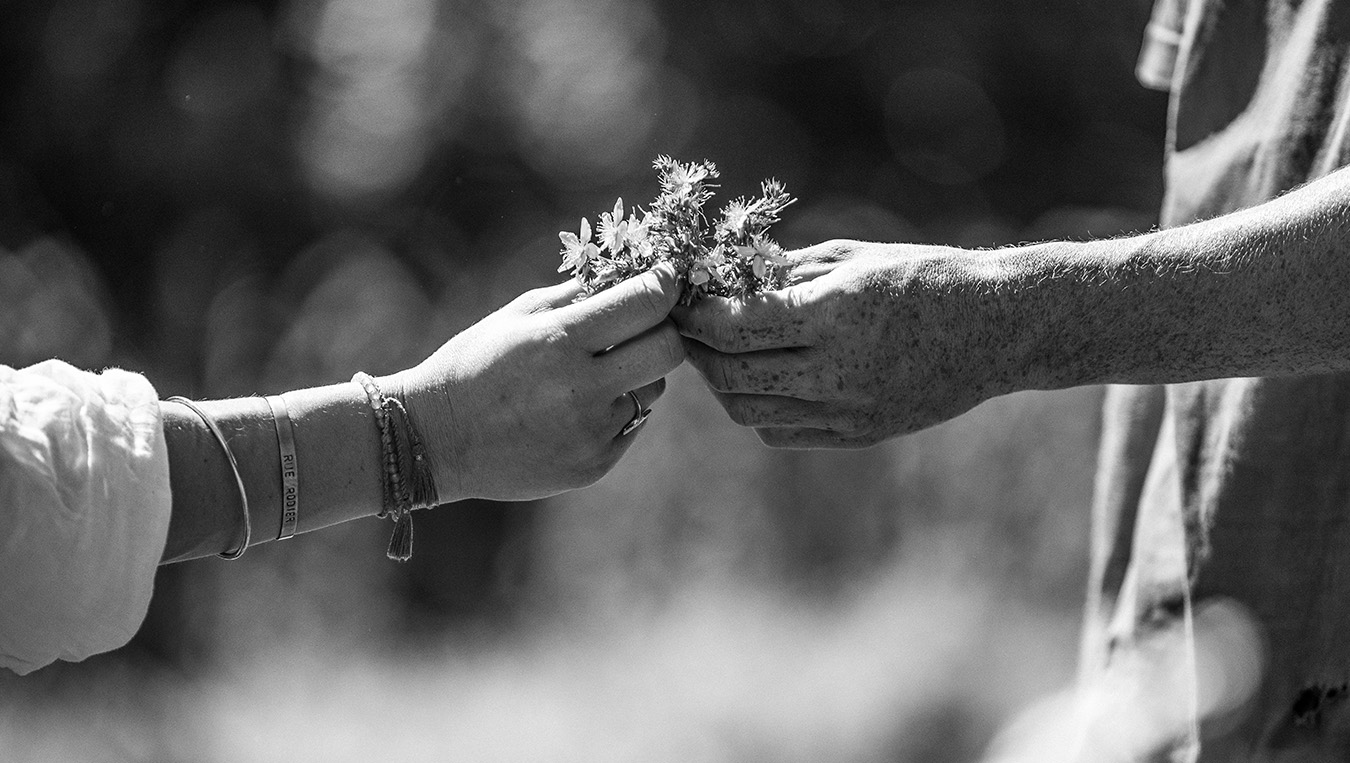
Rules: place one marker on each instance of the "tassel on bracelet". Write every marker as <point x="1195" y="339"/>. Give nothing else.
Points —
<point x="406" y="478"/>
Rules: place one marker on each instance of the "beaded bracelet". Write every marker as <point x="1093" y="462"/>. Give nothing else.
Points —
<point x="400" y="498"/>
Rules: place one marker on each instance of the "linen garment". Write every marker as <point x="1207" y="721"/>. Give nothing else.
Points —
<point x="1239" y="489"/>
<point x="84" y="510"/>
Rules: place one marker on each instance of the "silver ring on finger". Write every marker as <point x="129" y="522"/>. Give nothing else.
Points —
<point x="640" y="415"/>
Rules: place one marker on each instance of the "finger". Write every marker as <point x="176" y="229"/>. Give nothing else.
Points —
<point x="776" y="411"/>
<point x="809" y="263"/>
<point x="625" y="410"/>
<point x="642" y="359"/>
<point x="812" y="439"/>
<point x="809" y="271"/>
<point x="624" y="310"/>
<point x="791" y="373"/>
<point x="830" y="252"/>
<point x="772" y="320"/>
<point x="812" y="262"/>
<point x="548" y="297"/>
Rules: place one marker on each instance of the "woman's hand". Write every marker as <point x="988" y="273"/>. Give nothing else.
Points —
<point x="532" y="400"/>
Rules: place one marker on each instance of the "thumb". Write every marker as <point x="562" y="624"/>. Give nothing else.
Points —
<point x="768" y="321"/>
<point x="624" y="310"/>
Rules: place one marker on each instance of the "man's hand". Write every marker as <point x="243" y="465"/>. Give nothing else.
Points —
<point x="876" y="340"/>
<point x="531" y="400"/>
<point x="882" y="339"/>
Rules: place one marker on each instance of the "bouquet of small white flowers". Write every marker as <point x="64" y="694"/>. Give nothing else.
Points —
<point x="732" y="258"/>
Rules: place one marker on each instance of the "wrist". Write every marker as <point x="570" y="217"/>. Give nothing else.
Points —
<point x="429" y="407"/>
<point x="1097" y="312"/>
<point x="337" y="454"/>
<point x="1049" y="302"/>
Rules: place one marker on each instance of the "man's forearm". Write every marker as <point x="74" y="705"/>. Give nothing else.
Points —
<point x="876" y="340"/>
<point x="1255" y="293"/>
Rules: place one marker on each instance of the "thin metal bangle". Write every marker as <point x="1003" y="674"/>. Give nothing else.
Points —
<point x="290" y="472"/>
<point x="234" y="466"/>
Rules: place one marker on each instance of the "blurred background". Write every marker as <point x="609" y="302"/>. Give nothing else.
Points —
<point x="241" y="197"/>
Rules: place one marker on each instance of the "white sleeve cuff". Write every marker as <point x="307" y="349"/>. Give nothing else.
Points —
<point x="84" y="510"/>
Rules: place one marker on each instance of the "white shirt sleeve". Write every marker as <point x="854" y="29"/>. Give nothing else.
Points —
<point x="84" y="510"/>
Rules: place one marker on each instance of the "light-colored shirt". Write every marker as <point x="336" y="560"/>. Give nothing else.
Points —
<point x="1236" y="490"/>
<point x="84" y="510"/>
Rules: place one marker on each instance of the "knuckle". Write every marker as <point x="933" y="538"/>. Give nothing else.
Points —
<point x="740" y="410"/>
<point x="651" y="298"/>
<point x="669" y="345"/>
<point x="552" y="333"/>
<point x="836" y="249"/>
<point x="525" y="302"/>
<point x="724" y="335"/>
<point x="535" y="300"/>
<point x="715" y="331"/>
<point x="717" y="374"/>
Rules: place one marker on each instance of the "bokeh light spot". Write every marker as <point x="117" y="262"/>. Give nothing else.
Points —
<point x="943" y="127"/>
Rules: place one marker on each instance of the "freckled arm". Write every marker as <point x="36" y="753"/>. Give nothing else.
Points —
<point x="875" y="340"/>
<point x="1261" y="292"/>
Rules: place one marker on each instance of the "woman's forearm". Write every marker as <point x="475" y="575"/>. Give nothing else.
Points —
<point x="534" y="399"/>
<point x="337" y="452"/>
